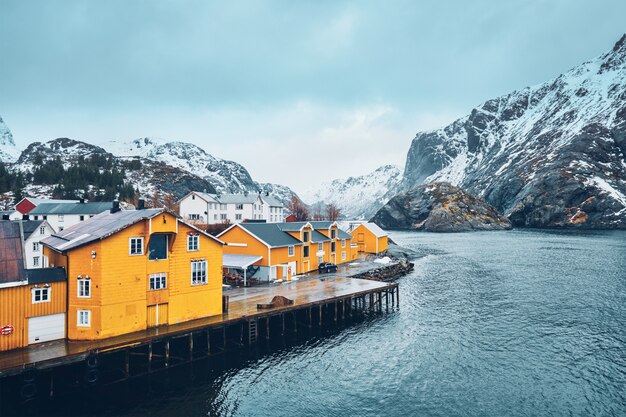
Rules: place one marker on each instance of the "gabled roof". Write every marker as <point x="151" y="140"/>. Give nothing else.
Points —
<point x="292" y="226"/>
<point x="323" y="224"/>
<point x="96" y="228"/>
<point x="375" y="229"/>
<point x="30" y="226"/>
<point x="75" y="208"/>
<point x="272" y="201"/>
<point x="38" y="201"/>
<point x="268" y="233"/>
<point x="11" y="252"/>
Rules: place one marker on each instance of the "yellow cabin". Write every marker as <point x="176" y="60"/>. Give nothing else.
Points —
<point x="130" y="270"/>
<point x="282" y="250"/>
<point x="32" y="301"/>
<point x="370" y="238"/>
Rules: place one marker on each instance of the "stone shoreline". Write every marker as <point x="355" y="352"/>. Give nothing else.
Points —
<point x="387" y="273"/>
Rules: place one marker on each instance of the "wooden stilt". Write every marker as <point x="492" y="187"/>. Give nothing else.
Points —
<point x="150" y="357"/>
<point x="127" y="363"/>
<point x="190" y="346"/>
<point x="267" y="327"/>
<point x="208" y="342"/>
<point x="167" y="353"/>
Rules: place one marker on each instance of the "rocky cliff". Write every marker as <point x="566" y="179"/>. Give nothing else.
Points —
<point x="551" y="155"/>
<point x="439" y="207"/>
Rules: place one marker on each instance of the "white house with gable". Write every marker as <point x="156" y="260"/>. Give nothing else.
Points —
<point x="230" y="208"/>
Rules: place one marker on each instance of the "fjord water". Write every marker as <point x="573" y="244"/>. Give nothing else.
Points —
<point x="516" y="323"/>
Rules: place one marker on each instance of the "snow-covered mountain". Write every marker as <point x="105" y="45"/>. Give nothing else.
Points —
<point x="8" y="150"/>
<point x="551" y="155"/>
<point x="358" y="197"/>
<point x="225" y="176"/>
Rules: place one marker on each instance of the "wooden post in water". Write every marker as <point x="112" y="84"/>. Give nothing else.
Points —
<point x="208" y="341"/>
<point x="190" y="346"/>
<point x="267" y="327"/>
<point x="167" y="353"/>
<point x="150" y="357"/>
<point x="127" y="363"/>
<point x="335" y="306"/>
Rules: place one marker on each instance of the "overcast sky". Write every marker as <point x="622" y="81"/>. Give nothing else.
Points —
<point x="298" y="92"/>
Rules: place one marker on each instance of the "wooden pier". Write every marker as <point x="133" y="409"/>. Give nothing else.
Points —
<point x="53" y="368"/>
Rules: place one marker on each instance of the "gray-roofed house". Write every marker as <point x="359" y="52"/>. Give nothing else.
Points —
<point x="208" y="208"/>
<point x="32" y="302"/>
<point x="289" y="248"/>
<point x="63" y="215"/>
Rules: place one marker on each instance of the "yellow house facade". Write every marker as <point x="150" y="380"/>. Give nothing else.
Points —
<point x="370" y="238"/>
<point x="288" y="249"/>
<point x="131" y="270"/>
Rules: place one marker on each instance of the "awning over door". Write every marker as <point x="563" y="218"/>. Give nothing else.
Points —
<point x="239" y="261"/>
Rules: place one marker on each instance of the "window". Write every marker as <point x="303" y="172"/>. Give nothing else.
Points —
<point x="320" y="246"/>
<point x="157" y="247"/>
<point x="343" y="243"/>
<point x="238" y="216"/>
<point x="61" y="228"/>
<point x="222" y="206"/>
<point x="36" y="218"/>
<point x="41" y="295"/>
<point x="84" y="318"/>
<point x="198" y="272"/>
<point x="343" y="256"/>
<point x="305" y="236"/>
<point x="193" y="242"/>
<point x="215" y="217"/>
<point x="82" y="218"/>
<point x="239" y="207"/>
<point x="36" y="261"/>
<point x="320" y="259"/>
<point x="84" y="287"/>
<point x="194" y="217"/>
<point x="158" y="281"/>
<point x="61" y="218"/>
<point x="45" y="217"/>
<point x="223" y="216"/>
<point x="290" y="251"/>
<point x="35" y="246"/>
<point x="306" y="252"/>
<point x="42" y="230"/>
<point x="193" y="197"/>
<point x="332" y="246"/>
<point x="135" y="246"/>
<point x="333" y="234"/>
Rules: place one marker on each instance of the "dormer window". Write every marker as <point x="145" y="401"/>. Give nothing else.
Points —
<point x="157" y="248"/>
<point x="305" y="236"/>
<point x="333" y="234"/>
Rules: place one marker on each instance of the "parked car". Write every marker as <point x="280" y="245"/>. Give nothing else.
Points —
<point x="327" y="267"/>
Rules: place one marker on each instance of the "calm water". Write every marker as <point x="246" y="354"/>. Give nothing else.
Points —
<point x="517" y="323"/>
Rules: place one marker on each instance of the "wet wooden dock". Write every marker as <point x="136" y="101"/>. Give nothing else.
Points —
<point x="317" y="302"/>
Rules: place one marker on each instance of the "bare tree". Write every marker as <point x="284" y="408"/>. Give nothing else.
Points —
<point x="332" y="212"/>
<point x="298" y="209"/>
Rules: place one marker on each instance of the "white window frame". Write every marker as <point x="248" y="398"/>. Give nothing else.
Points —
<point x="197" y="268"/>
<point x="320" y="246"/>
<point x="343" y="243"/>
<point x="190" y="240"/>
<point x="35" y="261"/>
<point x="307" y="234"/>
<point x="333" y="234"/>
<point x="130" y="245"/>
<point x="343" y="256"/>
<point x="223" y="216"/>
<point x="157" y="281"/>
<point x="239" y="206"/>
<point x="35" y="246"/>
<point x="83" y="288"/>
<point x="83" y="318"/>
<point x="42" y="230"/>
<point x="333" y="247"/>
<point x="238" y="216"/>
<point x="291" y="251"/>
<point x="42" y="291"/>
<point x="194" y="216"/>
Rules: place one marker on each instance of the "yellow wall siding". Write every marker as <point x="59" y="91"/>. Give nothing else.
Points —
<point x="16" y="307"/>
<point x="367" y="241"/>
<point x="254" y="247"/>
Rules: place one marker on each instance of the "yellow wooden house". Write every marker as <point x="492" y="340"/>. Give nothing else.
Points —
<point x="370" y="238"/>
<point x="32" y="301"/>
<point x="283" y="250"/>
<point x="130" y="270"/>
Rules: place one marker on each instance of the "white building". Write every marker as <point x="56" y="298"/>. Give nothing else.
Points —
<point x="34" y="232"/>
<point x="230" y="208"/>
<point x="63" y="215"/>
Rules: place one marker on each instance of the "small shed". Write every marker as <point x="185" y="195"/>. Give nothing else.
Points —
<point x="370" y="238"/>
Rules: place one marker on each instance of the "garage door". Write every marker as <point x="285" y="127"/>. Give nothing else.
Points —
<point x="44" y="328"/>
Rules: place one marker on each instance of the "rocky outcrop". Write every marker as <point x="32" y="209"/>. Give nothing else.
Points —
<point x="388" y="272"/>
<point x="439" y="207"/>
<point x="552" y="155"/>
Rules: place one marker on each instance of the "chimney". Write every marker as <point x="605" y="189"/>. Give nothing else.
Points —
<point x="116" y="207"/>
<point x="141" y="204"/>
<point x="24" y="216"/>
<point x="6" y="217"/>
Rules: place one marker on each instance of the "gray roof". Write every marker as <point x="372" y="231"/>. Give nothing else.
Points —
<point x="249" y="198"/>
<point x="272" y="201"/>
<point x="239" y="261"/>
<point x="374" y="228"/>
<point x="290" y="226"/>
<point x="271" y="234"/>
<point x="30" y="226"/>
<point x="321" y="224"/>
<point x="11" y="252"/>
<point x="44" y="275"/>
<point x="37" y="201"/>
<point x="343" y="235"/>
<point x="73" y="208"/>
<point x="318" y="237"/>
<point x="97" y="228"/>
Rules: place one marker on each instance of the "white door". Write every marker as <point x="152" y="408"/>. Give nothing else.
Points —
<point x="45" y="328"/>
